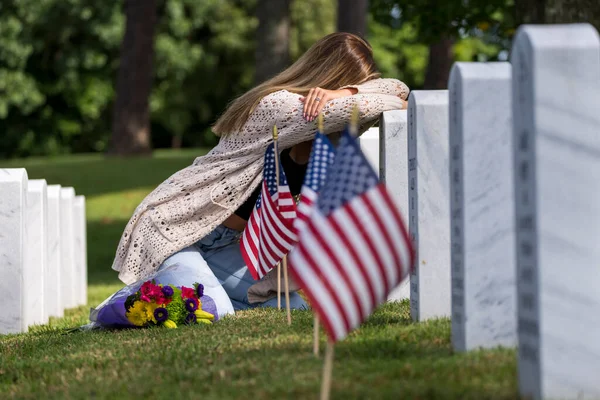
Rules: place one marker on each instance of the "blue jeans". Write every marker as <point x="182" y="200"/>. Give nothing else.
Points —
<point x="220" y="249"/>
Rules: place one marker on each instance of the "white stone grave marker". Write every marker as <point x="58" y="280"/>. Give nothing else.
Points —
<point x="13" y="209"/>
<point x="556" y="112"/>
<point x="393" y="171"/>
<point x="35" y="257"/>
<point x="68" y="280"/>
<point x="80" y="249"/>
<point x="429" y="203"/>
<point x="53" y="291"/>
<point x="369" y="145"/>
<point x="482" y="206"/>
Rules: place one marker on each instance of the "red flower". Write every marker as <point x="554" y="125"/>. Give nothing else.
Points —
<point x="146" y="288"/>
<point x="187" y="293"/>
<point x="151" y="292"/>
<point x="146" y="298"/>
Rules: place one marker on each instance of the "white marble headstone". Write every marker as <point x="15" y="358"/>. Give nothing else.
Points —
<point x="556" y="111"/>
<point x="13" y="209"/>
<point x="68" y="280"/>
<point x="369" y="145"/>
<point x="79" y="226"/>
<point x="53" y="290"/>
<point x="393" y="171"/>
<point x="35" y="258"/>
<point x="482" y="234"/>
<point x="429" y="203"/>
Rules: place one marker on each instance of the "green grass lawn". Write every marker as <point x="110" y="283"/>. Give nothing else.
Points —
<point x="251" y="355"/>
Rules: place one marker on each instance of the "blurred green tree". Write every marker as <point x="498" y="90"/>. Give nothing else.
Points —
<point x="442" y="26"/>
<point x="57" y="60"/>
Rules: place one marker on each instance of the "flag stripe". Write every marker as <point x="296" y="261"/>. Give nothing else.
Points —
<point x="323" y="299"/>
<point x="340" y="249"/>
<point x="327" y="294"/>
<point x="372" y="250"/>
<point x="362" y="254"/>
<point x="377" y="233"/>
<point x="402" y="226"/>
<point x="391" y="223"/>
<point x="349" y="289"/>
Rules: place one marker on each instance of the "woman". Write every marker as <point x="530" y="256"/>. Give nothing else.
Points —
<point x="196" y="217"/>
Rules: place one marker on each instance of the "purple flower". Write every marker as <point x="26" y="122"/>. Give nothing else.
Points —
<point x="167" y="291"/>
<point x="200" y="290"/>
<point x="161" y="314"/>
<point x="191" y="319"/>
<point x="191" y="305"/>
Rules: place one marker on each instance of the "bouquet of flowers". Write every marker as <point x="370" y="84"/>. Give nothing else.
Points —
<point x="166" y="305"/>
<point x="126" y="308"/>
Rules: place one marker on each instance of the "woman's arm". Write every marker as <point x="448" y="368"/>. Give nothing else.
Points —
<point x="317" y="97"/>
<point x="389" y="86"/>
<point x="285" y="109"/>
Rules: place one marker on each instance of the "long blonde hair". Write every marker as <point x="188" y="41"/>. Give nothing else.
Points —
<point x="337" y="60"/>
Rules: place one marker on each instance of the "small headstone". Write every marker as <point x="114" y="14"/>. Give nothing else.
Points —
<point x="393" y="171"/>
<point x="556" y="112"/>
<point x="429" y="203"/>
<point x="369" y="144"/>
<point x="13" y="209"/>
<point x="80" y="248"/>
<point x="482" y="234"/>
<point x="35" y="257"/>
<point x="53" y="283"/>
<point x="68" y="282"/>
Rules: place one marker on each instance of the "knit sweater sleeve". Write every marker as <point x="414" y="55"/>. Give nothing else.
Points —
<point x="392" y="87"/>
<point x="284" y="109"/>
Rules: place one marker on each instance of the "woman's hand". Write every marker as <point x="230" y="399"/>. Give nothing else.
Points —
<point x="317" y="98"/>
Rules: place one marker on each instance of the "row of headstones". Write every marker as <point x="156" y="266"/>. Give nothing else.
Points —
<point x="499" y="178"/>
<point x="43" y="256"/>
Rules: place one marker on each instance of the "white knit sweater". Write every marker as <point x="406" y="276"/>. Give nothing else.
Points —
<point x="194" y="201"/>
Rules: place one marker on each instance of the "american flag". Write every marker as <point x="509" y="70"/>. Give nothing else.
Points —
<point x="321" y="158"/>
<point x="269" y="234"/>
<point x="355" y="248"/>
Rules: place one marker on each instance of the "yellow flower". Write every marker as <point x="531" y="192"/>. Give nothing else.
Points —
<point x="150" y="307"/>
<point x="137" y="314"/>
<point x="204" y="315"/>
<point x="170" y="324"/>
<point x="204" y="321"/>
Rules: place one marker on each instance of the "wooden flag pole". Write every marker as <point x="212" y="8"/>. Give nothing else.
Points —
<point x="354" y="121"/>
<point x="316" y="336"/>
<point x="276" y="151"/>
<point x="288" y="308"/>
<point x="279" y="286"/>
<point x="327" y="371"/>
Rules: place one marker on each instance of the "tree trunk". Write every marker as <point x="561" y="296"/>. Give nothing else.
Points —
<point x="440" y="62"/>
<point x="530" y="11"/>
<point x="272" y="38"/>
<point x="352" y="16"/>
<point x="558" y="12"/>
<point x="131" y="115"/>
